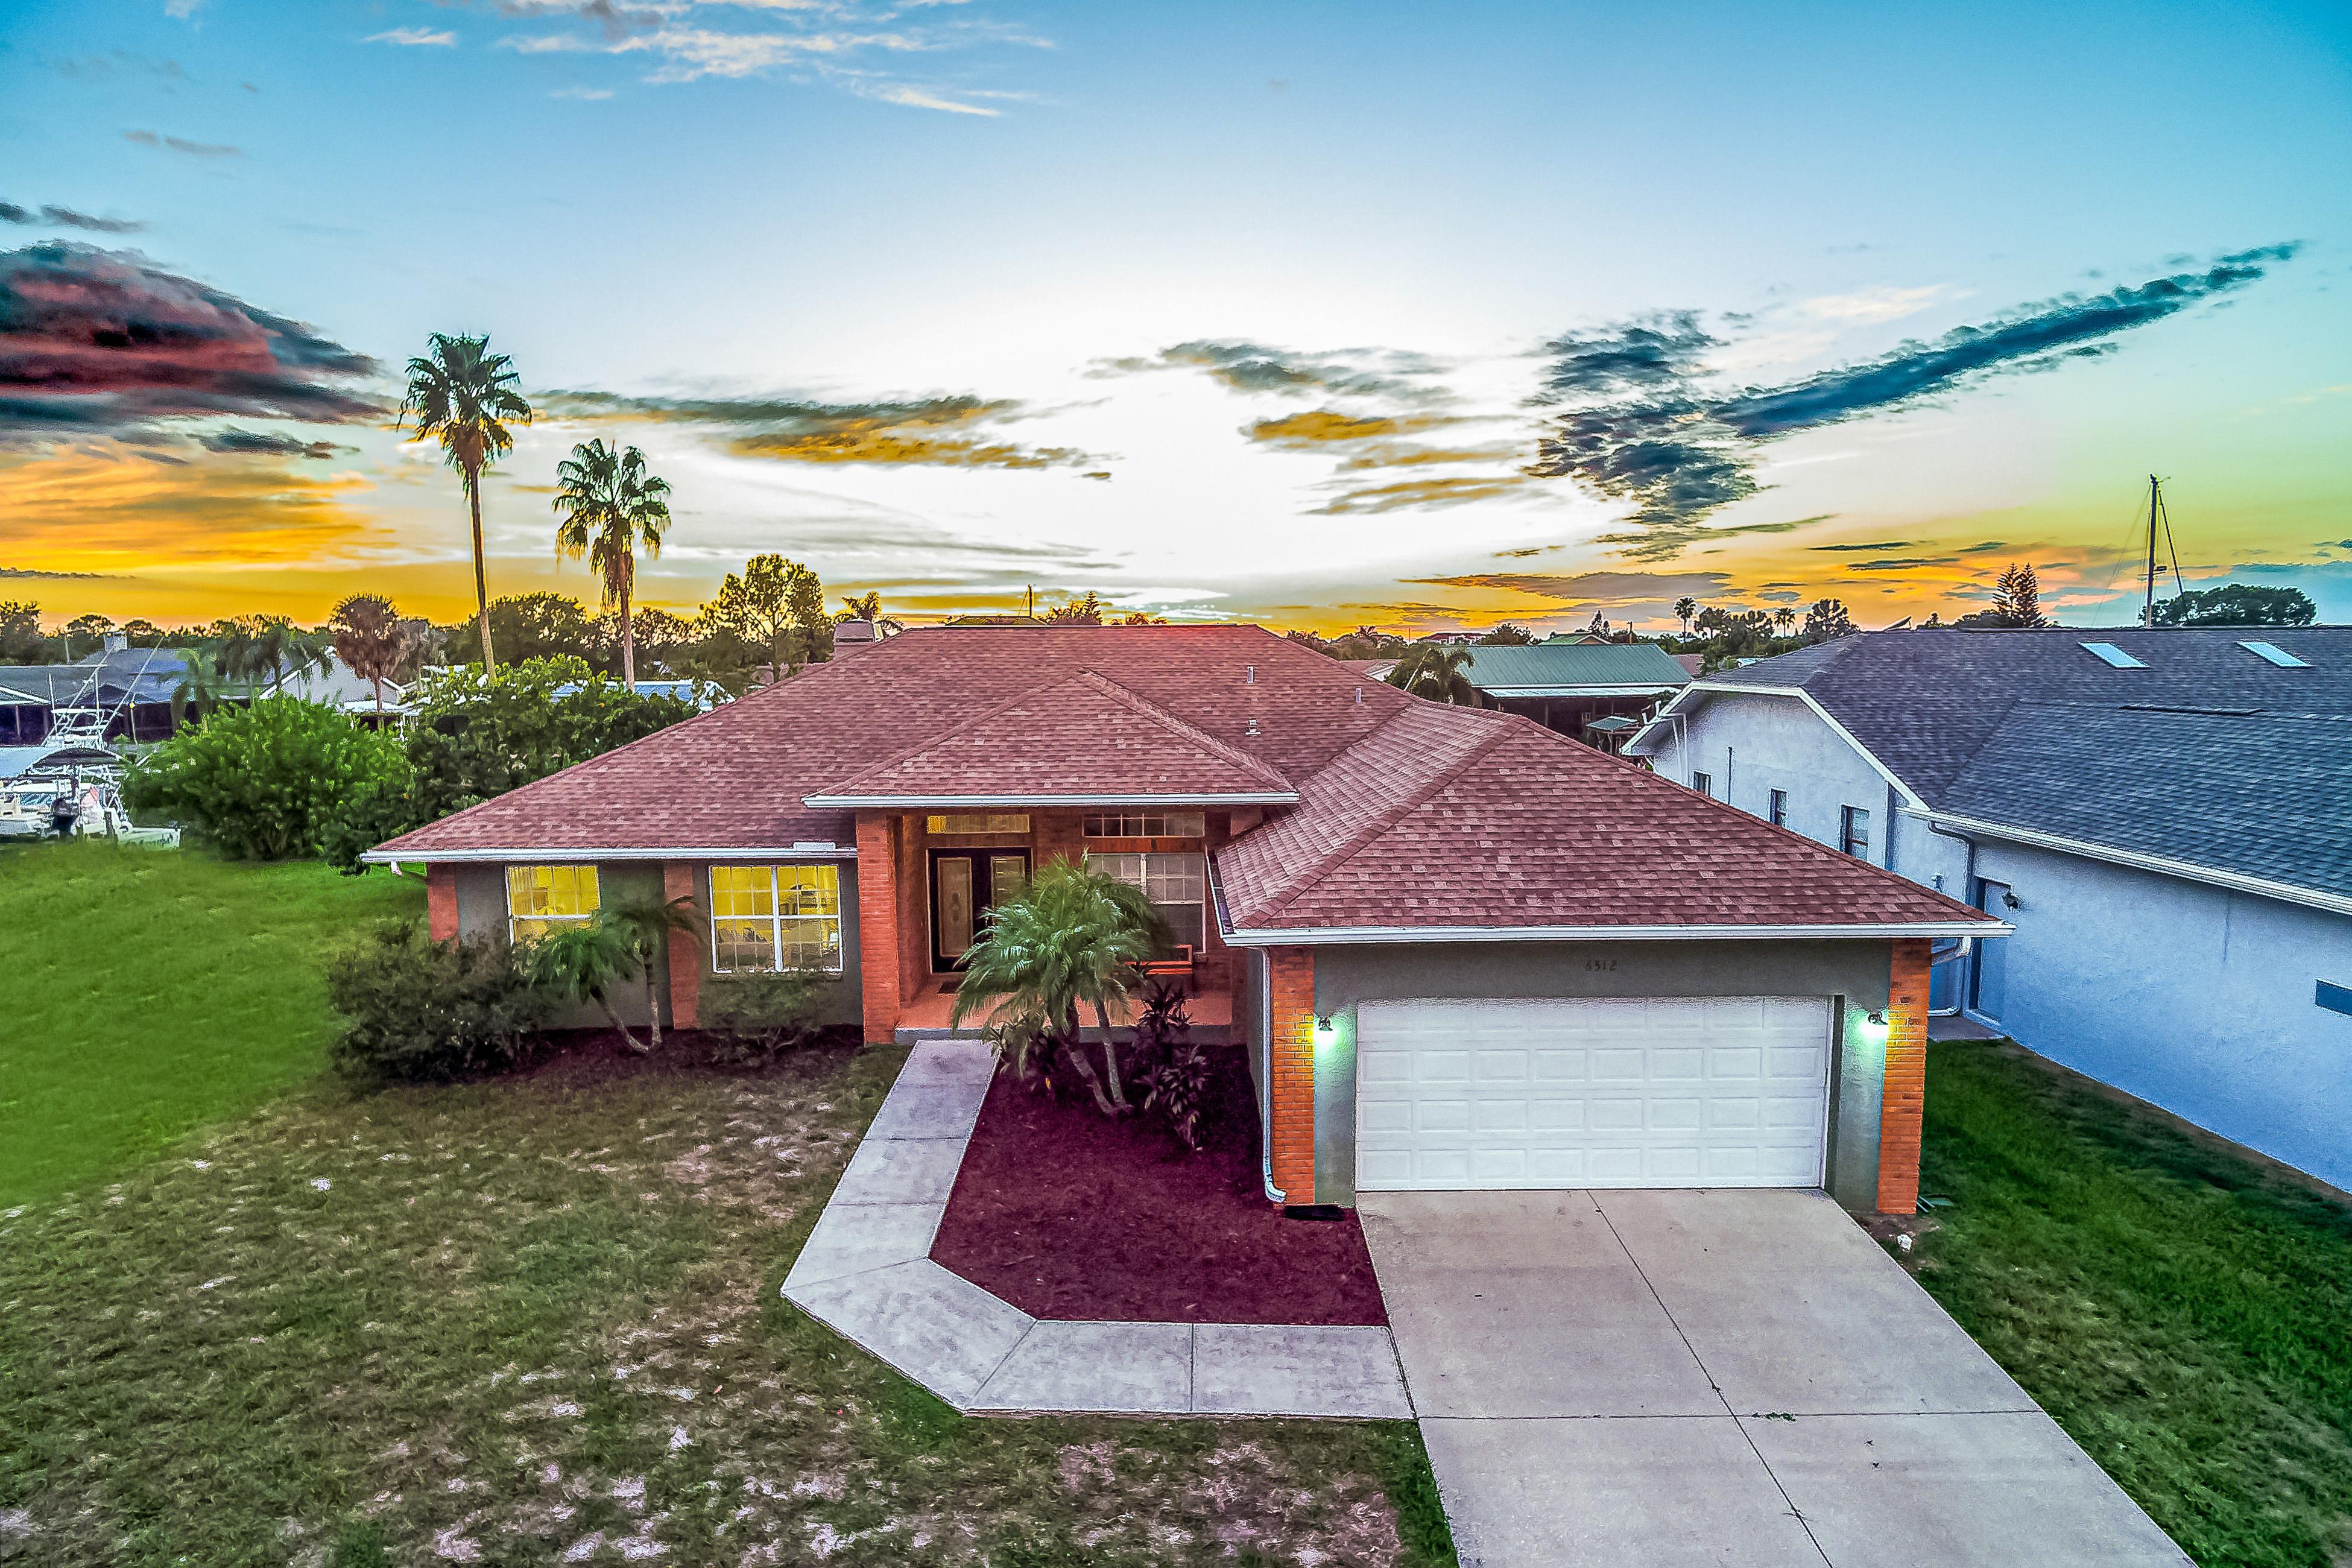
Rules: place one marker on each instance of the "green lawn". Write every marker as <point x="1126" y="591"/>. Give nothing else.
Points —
<point x="148" y="992"/>
<point x="2185" y="1314"/>
<point x="537" y="1319"/>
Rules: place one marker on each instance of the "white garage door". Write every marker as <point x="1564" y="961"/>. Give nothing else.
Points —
<point x="1722" y="1091"/>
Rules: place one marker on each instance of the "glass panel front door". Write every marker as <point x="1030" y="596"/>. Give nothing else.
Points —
<point x="965" y="885"/>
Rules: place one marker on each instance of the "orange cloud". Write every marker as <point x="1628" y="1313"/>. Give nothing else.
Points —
<point x="89" y="511"/>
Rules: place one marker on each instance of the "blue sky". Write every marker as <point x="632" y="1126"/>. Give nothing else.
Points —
<point x="1401" y="210"/>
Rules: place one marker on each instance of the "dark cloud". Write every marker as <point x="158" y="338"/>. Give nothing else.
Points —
<point x="944" y="432"/>
<point x="66" y="218"/>
<point x="61" y="576"/>
<point x="1902" y="562"/>
<point x="178" y="145"/>
<point x="1242" y="367"/>
<point x="1648" y="544"/>
<point x="256" y="441"/>
<point x="97" y="343"/>
<point x="1644" y="426"/>
<point x="1873" y="544"/>
<point x="1591" y="587"/>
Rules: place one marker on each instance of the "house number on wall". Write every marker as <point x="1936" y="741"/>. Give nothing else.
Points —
<point x="1600" y="965"/>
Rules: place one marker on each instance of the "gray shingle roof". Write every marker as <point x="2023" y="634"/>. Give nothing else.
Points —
<point x="1558" y="665"/>
<point x="2210" y="755"/>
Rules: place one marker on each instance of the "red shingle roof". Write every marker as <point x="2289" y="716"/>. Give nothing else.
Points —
<point x="1084" y="738"/>
<point x="1411" y="814"/>
<point x="1450" y="819"/>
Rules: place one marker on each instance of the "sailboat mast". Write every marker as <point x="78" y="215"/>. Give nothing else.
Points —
<point x="2154" y="501"/>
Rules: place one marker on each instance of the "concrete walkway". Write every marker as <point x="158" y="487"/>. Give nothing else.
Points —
<point x="866" y="1272"/>
<point x="1723" y="1378"/>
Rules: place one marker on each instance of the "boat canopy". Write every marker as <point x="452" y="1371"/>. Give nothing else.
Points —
<point x="15" y="762"/>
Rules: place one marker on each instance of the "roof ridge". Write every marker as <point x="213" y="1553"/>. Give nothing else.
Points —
<point x="1388" y="816"/>
<point x="1186" y="728"/>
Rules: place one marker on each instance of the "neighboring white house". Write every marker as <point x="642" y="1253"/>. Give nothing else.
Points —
<point x="2165" y="816"/>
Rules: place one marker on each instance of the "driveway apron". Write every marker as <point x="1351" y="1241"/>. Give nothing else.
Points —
<point x="1723" y="1377"/>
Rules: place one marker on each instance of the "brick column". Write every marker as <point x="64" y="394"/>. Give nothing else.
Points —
<point x="680" y="881"/>
<point x="1058" y="835"/>
<point x="1903" y="1099"/>
<point x="1290" y="1081"/>
<point x="878" y="927"/>
<point x="441" y="900"/>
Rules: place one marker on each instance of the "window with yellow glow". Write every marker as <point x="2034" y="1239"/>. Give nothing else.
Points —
<point x="982" y="822"/>
<point x="775" y="917"/>
<point x="542" y="899"/>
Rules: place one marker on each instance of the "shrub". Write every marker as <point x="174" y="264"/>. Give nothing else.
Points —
<point x="420" y="1010"/>
<point x="750" y="1018"/>
<point x="264" y="783"/>
<point x="1172" y="1071"/>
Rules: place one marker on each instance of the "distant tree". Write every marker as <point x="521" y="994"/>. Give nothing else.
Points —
<point x="1085" y="610"/>
<point x="474" y="735"/>
<point x="1827" y="621"/>
<point x="544" y="625"/>
<point x="464" y="394"/>
<point x="1508" y="634"/>
<point x="140" y="633"/>
<point x="612" y="507"/>
<point x="660" y="636"/>
<point x="1783" y="619"/>
<point x="1684" y="608"/>
<point x="2018" y="597"/>
<point x="370" y="639"/>
<point x="767" y="605"/>
<point x="266" y="651"/>
<point x="1435" y="670"/>
<point x="21" y="638"/>
<point x="2238" y="605"/>
<point x="1140" y="618"/>
<point x="86" y="634"/>
<point x="863" y="607"/>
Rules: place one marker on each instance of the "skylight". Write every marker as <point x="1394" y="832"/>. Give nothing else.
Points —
<point x="2275" y="655"/>
<point x="2108" y="653"/>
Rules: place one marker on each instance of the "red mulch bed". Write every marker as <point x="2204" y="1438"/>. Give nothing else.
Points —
<point x="1066" y="1214"/>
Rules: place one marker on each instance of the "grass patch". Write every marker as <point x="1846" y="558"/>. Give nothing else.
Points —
<point x="2179" y="1309"/>
<point x="149" y="992"/>
<point x="537" y="1320"/>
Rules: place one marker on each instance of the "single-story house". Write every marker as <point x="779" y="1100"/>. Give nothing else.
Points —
<point x="1464" y="951"/>
<point x="1566" y="686"/>
<point x="131" y="687"/>
<point x="2164" y="815"/>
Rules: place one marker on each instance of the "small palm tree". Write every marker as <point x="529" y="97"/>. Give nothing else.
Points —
<point x="588" y="961"/>
<point x="650" y="925"/>
<point x="866" y="608"/>
<point x="370" y="639"/>
<point x="464" y="394"/>
<point x="610" y="506"/>
<point x="1435" y="670"/>
<point x="1684" y="608"/>
<point x="1069" y="937"/>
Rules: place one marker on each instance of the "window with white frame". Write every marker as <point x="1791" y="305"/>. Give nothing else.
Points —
<point x="1703" y="782"/>
<point x="1854" y="831"/>
<point x="545" y="898"/>
<point x="1778" y="805"/>
<point x="1146" y="824"/>
<point x="1177" y="886"/>
<point x="775" y="918"/>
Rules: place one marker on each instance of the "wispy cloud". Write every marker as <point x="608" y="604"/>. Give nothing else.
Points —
<point x="180" y="144"/>
<point x="104" y="343"/>
<point x="66" y="218"/>
<point x="1247" y="367"/>
<point x="1455" y="491"/>
<point x="957" y="432"/>
<point x="1644" y="422"/>
<point x="262" y="443"/>
<point x="414" y="38"/>
<point x="583" y="94"/>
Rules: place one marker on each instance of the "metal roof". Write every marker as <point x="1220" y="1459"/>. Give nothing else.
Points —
<point x="1560" y="669"/>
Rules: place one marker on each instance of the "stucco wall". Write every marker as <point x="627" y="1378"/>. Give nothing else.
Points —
<point x="2190" y="996"/>
<point x="1347" y="975"/>
<point x="482" y="912"/>
<point x="2193" y="997"/>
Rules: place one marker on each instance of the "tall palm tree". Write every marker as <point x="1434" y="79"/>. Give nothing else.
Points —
<point x="464" y="394"/>
<point x="1070" y="936"/>
<point x="610" y="506"/>
<point x="1684" y="608"/>
<point x="1782" y="619"/>
<point x="1435" y="670"/>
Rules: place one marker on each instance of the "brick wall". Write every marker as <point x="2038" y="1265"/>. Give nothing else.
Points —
<point x="682" y="879"/>
<point x="1291" y="1077"/>
<point x="877" y="926"/>
<point x="1904" y="1097"/>
<point x="441" y="900"/>
<point x="1058" y="835"/>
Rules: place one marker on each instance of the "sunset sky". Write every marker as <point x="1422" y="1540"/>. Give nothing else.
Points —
<point x="1321" y="314"/>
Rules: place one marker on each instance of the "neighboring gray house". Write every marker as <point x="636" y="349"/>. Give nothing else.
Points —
<point x="2165" y="816"/>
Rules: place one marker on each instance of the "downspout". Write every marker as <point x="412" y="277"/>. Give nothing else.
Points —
<point x="1265" y="965"/>
<point x="1968" y="886"/>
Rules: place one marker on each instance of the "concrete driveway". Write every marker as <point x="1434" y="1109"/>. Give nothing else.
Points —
<point x="1717" y="1377"/>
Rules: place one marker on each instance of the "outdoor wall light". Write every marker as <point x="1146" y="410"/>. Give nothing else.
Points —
<point x="1879" y="1019"/>
<point x="1327" y="1034"/>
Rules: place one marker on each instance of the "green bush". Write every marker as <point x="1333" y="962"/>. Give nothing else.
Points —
<point x="420" y="1010"/>
<point x="751" y="1018"/>
<point x="474" y="736"/>
<point x="264" y="783"/>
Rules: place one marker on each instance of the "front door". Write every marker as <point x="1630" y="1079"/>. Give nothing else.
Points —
<point x="1988" y="989"/>
<point x="965" y="885"/>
